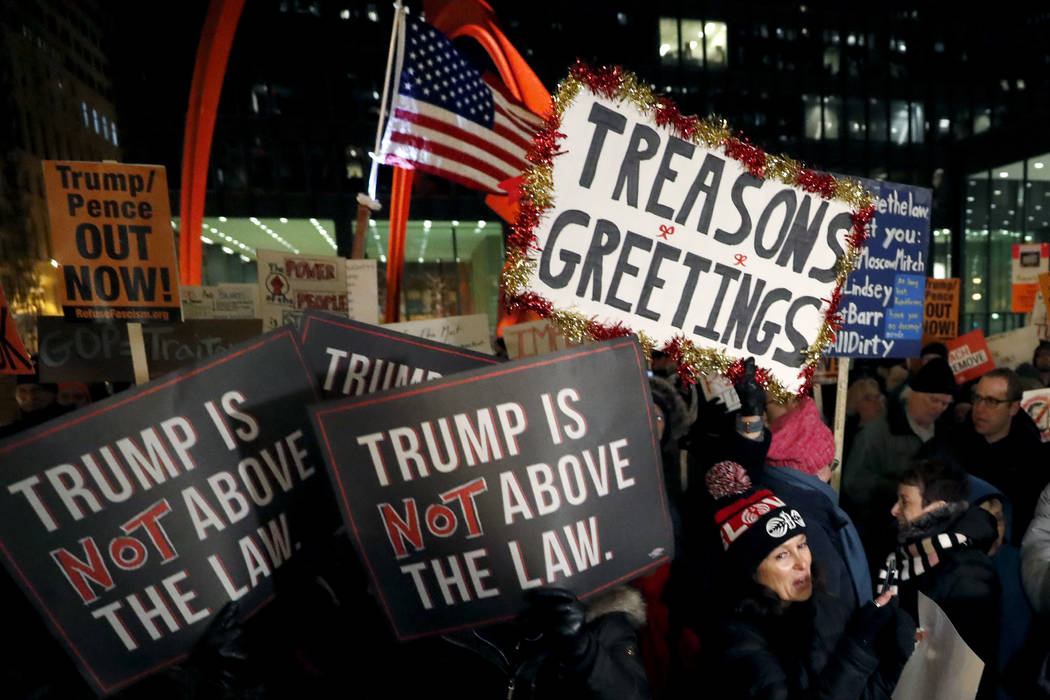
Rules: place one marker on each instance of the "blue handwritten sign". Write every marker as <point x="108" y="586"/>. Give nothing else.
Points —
<point x="883" y="297"/>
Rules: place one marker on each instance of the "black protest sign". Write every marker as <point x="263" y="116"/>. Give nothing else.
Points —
<point x="465" y="492"/>
<point x="96" y="352"/>
<point x="349" y="358"/>
<point x="130" y="523"/>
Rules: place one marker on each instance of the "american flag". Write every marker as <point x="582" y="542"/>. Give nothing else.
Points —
<point x="448" y="119"/>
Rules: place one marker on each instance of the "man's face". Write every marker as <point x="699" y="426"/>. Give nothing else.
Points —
<point x="909" y="504"/>
<point x="925" y="408"/>
<point x="992" y="412"/>
<point x="33" y="397"/>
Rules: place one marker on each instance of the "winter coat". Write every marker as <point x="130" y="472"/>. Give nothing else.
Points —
<point x="808" y="651"/>
<point x="1035" y="556"/>
<point x="1018" y="465"/>
<point x="963" y="580"/>
<point x="497" y="662"/>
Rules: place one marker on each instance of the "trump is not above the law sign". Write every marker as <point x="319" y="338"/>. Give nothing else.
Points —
<point x="111" y="236"/>
<point x="704" y="239"/>
<point x="463" y="493"/>
<point x="130" y="523"/>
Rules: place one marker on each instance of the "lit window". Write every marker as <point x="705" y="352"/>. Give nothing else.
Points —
<point x="94" y="113"/>
<point x="84" y="113"/>
<point x="822" y="123"/>
<point x="621" y="17"/>
<point x="668" y="40"/>
<point x="344" y="14"/>
<point x="716" y="35"/>
<point x="113" y="129"/>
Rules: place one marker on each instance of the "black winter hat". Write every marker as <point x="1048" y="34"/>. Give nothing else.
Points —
<point x="935" y="377"/>
<point x="751" y="524"/>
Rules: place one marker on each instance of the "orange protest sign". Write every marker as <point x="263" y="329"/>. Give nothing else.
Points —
<point x="940" y="313"/>
<point x="1044" y="287"/>
<point x="13" y="356"/>
<point x="969" y="356"/>
<point x="111" y="234"/>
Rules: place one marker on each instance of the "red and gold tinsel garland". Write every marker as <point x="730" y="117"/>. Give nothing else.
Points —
<point x="614" y="83"/>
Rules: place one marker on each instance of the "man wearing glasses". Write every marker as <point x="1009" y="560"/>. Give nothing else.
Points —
<point x="1001" y="445"/>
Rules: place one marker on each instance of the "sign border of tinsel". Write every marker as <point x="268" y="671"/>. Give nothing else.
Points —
<point x="536" y="197"/>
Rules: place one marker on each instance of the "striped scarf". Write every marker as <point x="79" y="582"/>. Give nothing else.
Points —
<point x="915" y="559"/>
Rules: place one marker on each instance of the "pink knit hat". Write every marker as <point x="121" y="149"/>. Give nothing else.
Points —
<point x="802" y="441"/>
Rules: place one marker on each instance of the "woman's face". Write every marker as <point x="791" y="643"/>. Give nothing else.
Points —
<point x="785" y="570"/>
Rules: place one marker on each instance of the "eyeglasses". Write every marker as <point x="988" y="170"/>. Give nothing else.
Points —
<point x="989" y="400"/>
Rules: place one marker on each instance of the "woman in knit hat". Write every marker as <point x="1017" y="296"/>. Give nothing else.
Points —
<point x="785" y="637"/>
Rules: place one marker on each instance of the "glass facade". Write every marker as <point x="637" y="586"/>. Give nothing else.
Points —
<point x="1004" y="205"/>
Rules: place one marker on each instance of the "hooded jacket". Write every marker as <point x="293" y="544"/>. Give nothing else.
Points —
<point x="1035" y="556"/>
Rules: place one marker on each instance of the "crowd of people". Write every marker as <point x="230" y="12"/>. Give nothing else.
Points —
<point x="781" y="587"/>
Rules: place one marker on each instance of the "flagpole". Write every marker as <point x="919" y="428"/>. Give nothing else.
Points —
<point x="366" y="201"/>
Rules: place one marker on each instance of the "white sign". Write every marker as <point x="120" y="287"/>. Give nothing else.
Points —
<point x="942" y="666"/>
<point x="230" y="301"/>
<point x="1014" y="347"/>
<point x="533" y="338"/>
<point x="1037" y="403"/>
<point x="470" y="332"/>
<point x="672" y="239"/>
<point x="289" y="283"/>
<point x="363" y="287"/>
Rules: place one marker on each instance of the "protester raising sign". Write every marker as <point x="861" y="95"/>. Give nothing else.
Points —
<point x="111" y="235"/>
<point x="348" y="358"/>
<point x="131" y="522"/>
<point x="466" y="492"/>
<point x="637" y="217"/>
<point x="940" y="317"/>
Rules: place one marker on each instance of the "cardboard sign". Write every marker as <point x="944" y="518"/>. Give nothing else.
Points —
<point x="13" y="356"/>
<point x="647" y="231"/>
<point x="466" y="492"/>
<point x="969" y="357"/>
<point x="111" y="234"/>
<point x="131" y="522"/>
<point x="470" y="332"/>
<point x="882" y="309"/>
<point x="940" y="315"/>
<point x="348" y="358"/>
<point x="1037" y="403"/>
<point x="1013" y="348"/>
<point x="221" y="301"/>
<point x="362" y="281"/>
<point x="97" y="352"/>
<point x="289" y="283"/>
<point x="1029" y="261"/>
<point x="534" y="338"/>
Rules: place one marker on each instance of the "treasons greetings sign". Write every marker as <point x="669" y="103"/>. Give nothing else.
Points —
<point x="638" y="218"/>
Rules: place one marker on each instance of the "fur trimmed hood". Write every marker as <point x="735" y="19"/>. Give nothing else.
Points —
<point x="618" y="599"/>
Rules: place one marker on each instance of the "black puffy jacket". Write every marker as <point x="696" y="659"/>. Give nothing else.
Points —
<point x="806" y="651"/>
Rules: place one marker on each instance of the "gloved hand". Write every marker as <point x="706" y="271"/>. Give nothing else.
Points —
<point x="558" y="616"/>
<point x="752" y="394"/>
<point x="871" y="619"/>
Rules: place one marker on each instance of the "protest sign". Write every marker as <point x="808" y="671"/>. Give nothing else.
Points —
<point x="1037" y="403"/>
<point x="13" y="357"/>
<point x="111" y="235"/>
<point x="466" y="492"/>
<point x="221" y="301"/>
<point x="98" y="352"/>
<point x="290" y="283"/>
<point x="1029" y="261"/>
<point x="969" y="356"/>
<point x="639" y="218"/>
<point x="470" y="332"/>
<point x="131" y="522"/>
<point x="942" y="667"/>
<point x="1039" y="309"/>
<point x="1012" y="348"/>
<point x="362" y="282"/>
<point x="940" y="315"/>
<point x="534" y="338"/>
<point x="348" y="358"/>
<point x="882" y="308"/>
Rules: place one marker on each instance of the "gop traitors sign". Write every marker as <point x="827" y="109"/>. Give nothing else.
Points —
<point x="658" y="223"/>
